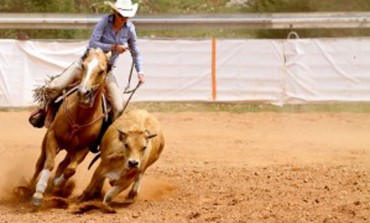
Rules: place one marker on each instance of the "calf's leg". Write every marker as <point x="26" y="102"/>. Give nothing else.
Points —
<point x="95" y="186"/>
<point x="135" y="189"/>
<point x="113" y="192"/>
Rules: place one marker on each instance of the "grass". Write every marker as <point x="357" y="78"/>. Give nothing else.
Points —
<point x="243" y="107"/>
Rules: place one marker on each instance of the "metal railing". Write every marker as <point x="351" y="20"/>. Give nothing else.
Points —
<point x="245" y="21"/>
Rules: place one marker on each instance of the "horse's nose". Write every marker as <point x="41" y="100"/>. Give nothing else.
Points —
<point x="82" y="90"/>
<point x="133" y="163"/>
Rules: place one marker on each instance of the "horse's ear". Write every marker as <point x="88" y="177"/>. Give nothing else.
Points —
<point x="108" y="55"/>
<point x="84" y="56"/>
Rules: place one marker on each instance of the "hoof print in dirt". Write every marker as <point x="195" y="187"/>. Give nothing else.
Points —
<point x="57" y="202"/>
<point x="22" y="192"/>
<point x="87" y="207"/>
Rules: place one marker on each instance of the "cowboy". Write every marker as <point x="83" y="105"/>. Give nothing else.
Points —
<point x="115" y="33"/>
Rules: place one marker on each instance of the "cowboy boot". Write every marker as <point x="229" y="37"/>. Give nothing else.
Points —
<point x="95" y="147"/>
<point x="37" y="118"/>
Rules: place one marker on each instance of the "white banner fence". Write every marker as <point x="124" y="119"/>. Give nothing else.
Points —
<point x="271" y="71"/>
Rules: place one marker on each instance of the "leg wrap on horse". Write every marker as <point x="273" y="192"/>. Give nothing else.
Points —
<point x="43" y="181"/>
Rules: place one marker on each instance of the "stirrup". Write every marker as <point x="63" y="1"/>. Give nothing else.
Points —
<point x="37" y="118"/>
<point x="94" y="148"/>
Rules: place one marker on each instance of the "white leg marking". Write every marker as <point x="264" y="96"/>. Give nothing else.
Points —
<point x="43" y="182"/>
<point x="59" y="180"/>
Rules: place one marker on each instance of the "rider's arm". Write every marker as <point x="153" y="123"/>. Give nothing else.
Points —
<point x="96" y="36"/>
<point x="135" y="53"/>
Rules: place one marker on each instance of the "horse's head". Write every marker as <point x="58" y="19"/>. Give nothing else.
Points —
<point x="94" y="71"/>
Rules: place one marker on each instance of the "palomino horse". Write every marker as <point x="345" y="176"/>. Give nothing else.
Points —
<point x="76" y="126"/>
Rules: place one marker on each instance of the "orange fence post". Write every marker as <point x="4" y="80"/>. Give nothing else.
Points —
<point x="214" y="89"/>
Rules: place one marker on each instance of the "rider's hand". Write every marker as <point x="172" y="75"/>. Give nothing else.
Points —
<point x="121" y="48"/>
<point x="141" y="77"/>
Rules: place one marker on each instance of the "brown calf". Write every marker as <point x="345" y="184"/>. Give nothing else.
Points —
<point x="130" y="145"/>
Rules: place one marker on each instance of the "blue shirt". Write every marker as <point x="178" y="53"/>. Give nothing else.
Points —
<point x="104" y="37"/>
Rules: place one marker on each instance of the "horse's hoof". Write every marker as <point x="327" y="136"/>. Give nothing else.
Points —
<point x="81" y="198"/>
<point x="108" y="209"/>
<point x="36" y="199"/>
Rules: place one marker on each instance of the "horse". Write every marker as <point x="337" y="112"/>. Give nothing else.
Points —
<point x="76" y="126"/>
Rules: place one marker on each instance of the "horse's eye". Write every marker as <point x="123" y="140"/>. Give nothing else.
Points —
<point x="101" y="72"/>
<point x="126" y="146"/>
<point x="144" y="148"/>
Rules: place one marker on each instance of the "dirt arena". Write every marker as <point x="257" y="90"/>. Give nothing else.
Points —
<point x="220" y="167"/>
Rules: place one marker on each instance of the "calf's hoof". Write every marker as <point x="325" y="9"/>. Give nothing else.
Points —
<point x="108" y="209"/>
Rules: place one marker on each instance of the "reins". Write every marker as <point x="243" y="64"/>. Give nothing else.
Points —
<point x="126" y="91"/>
<point x="129" y="78"/>
<point x="131" y="92"/>
<point x="127" y="88"/>
<point x="75" y="126"/>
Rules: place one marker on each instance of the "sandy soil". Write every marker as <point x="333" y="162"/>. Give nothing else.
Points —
<point x="220" y="167"/>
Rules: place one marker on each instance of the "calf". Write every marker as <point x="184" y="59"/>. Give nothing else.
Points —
<point x="129" y="146"/>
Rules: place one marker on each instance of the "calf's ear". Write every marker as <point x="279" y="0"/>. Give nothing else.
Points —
<point x="122" y="134"/>
<point x="151" y="135"/>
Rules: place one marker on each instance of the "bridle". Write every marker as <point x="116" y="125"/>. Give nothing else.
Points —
<point x="75" y="126"/>
<point x="94" y="91"/>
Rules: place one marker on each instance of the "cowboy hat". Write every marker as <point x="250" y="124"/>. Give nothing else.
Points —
<point x="124" y="7"/>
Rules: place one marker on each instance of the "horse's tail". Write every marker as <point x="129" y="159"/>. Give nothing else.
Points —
<point x="93" y="161"/>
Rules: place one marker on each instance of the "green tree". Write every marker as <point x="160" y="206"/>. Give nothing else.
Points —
<point x="275" y="6"/>
<point x="189" y="7"/>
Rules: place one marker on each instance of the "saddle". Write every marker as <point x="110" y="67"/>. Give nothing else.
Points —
<point x="41" y="118"/>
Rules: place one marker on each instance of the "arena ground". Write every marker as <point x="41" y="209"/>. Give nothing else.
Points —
<point x="220" y="167"/>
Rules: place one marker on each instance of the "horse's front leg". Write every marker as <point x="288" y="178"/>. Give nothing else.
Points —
<point x="29" y="189"/>
<point x="60" y="179"/>
<point x="75" y="160"/>
<point x="50" y="147"/>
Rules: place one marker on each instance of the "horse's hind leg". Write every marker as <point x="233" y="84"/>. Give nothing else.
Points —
<point x="50" y="147"/>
